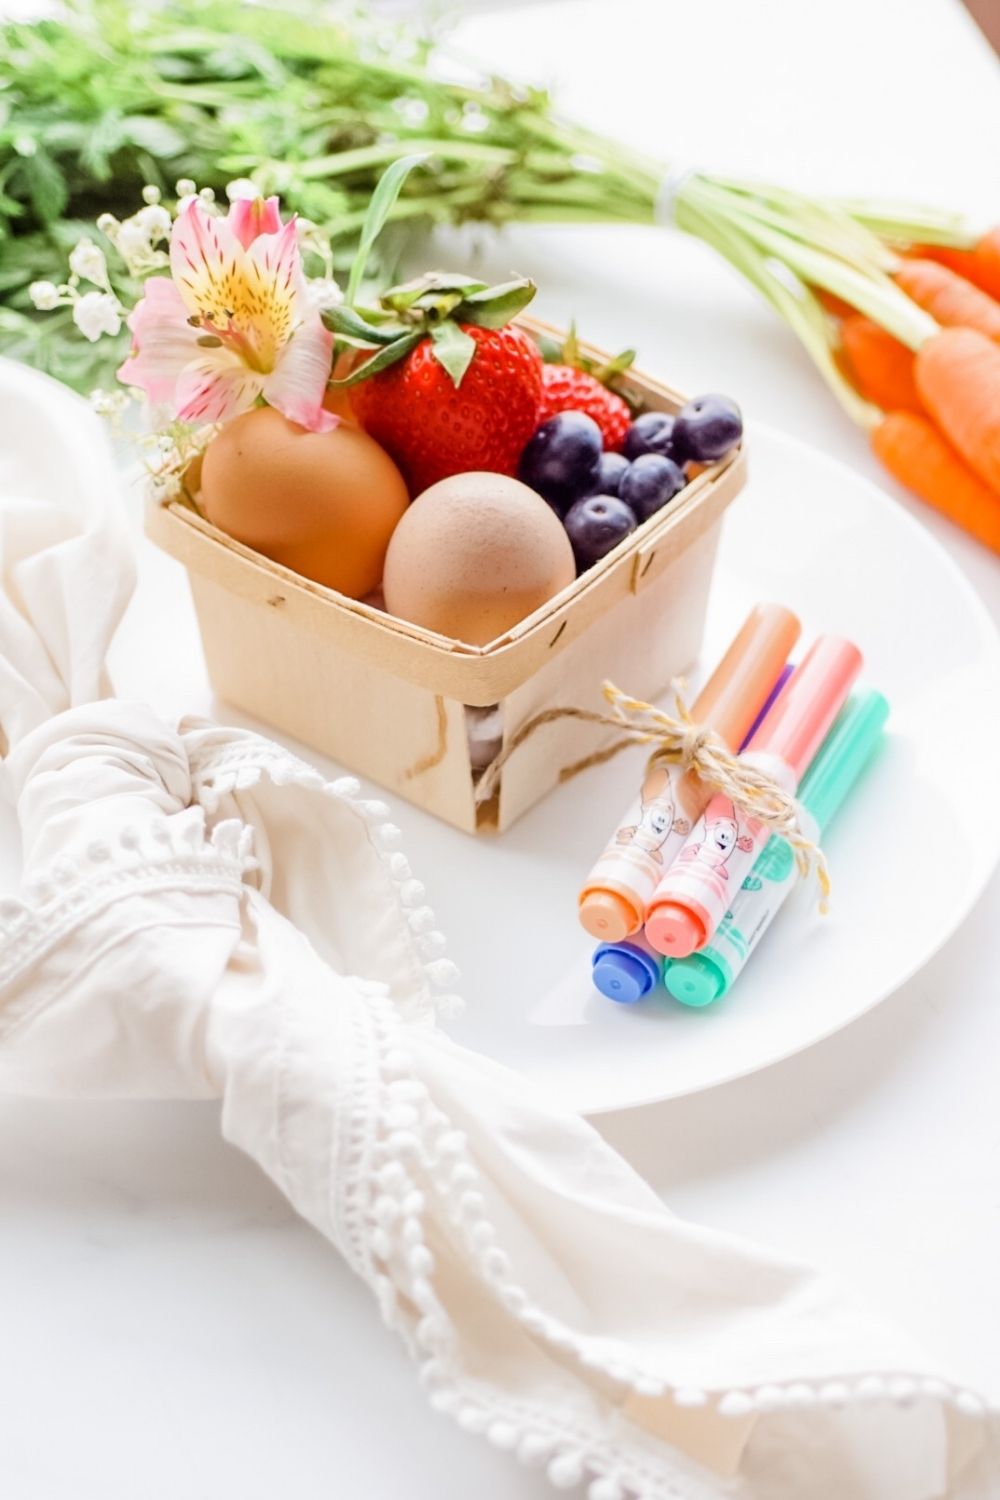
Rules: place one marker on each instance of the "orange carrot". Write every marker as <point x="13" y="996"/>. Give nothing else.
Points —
<point x="916" y="454"/>
<point x="879" y="365"/>
<point x="958" y="377"/>
<point x="835" y="305"/>
<point x="952" y="300"/>
<point x="980" y="265"/>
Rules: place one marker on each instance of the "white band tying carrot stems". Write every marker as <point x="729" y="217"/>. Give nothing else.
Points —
<point x="671" y="186"/>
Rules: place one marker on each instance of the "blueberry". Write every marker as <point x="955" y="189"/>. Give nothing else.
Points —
<point x="562" y="458"/>
<point x="610" y="472"/>
<point x="596" y="524"/>
<point x="650" y="483"/>
<point x="706" y="429"/>
<point x="651" y="433"/>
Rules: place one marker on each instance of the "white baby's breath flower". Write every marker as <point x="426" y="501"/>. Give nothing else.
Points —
<point x="207" y="195"/>
<point x="241" y="187"/>
<point x="109" y="403"/>
<point x="135" y="238"/>
<point x="87" y="261"/>
<point x="162" y="449"/>
<point x="151" y="193"/>
<point x="132" y="243"/>
<point x="163" y="484"/>
<point x="108" y="225"/>
<point x="185" y="187"/>
<point x="324" y="292"/>
<point x="44" y="295"/>
<point x="97" y="313"/>
<point x="155" y="222"/>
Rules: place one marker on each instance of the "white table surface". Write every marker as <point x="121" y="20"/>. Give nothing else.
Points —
<point x="167" y="1327"/>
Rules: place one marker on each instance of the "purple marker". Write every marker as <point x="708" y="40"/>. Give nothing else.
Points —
<point x="786" y="672"/>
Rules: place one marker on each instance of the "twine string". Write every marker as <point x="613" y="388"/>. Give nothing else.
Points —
<point x="678" y="741"/>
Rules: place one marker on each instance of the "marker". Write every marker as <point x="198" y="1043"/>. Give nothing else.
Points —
<point x="766" y="706"/>
<point x="707" y="975"/>
<point x="628" y="971"/>
<point x="618" y="889"/>
<point x="694" y="894"/>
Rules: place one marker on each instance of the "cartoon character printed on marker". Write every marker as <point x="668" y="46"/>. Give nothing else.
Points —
<point x="657" y="819"/>
<point x="722" y="835"/>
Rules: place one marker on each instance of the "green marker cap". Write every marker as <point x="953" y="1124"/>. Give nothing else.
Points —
<point x="843" y="754"/>
<point x="698" y="979"/>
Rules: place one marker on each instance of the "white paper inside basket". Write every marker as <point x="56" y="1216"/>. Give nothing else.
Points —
<point x="203" y="915"/>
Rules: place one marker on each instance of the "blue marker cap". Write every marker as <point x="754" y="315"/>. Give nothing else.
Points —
<point x="625" y="972"/>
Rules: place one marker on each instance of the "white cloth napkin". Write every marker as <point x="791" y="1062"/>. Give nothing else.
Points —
<point x="203" y="915"/>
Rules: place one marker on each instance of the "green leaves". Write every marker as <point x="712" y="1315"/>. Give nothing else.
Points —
<point x="382" y="200"/>
<point x="434" y="291"/>
<point x="492" y="307"/>
<point x="99" y="145"/>
<point x="345" y="320"/>
<point x="154" y="135"/>
<point x="609" y="372"/>
<point x="432" y="305"/>
<point x="102" y="97"/>
<point x="453" y="349"/>
<point x="389" y="355"/>
<point x="46" y="184"/>
<point x="569" y="352"/>
<point x="448" y="294"/>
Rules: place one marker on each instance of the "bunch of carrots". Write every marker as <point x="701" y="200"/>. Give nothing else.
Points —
<point x="933" y="411"/>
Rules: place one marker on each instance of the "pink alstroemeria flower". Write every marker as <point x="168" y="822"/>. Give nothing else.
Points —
<point x="249" y="218"/>
<point x="233" y="322"/>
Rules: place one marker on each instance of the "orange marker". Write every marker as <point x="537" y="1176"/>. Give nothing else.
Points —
<point x="694" y="894"/>
<point x="617" y="891"/>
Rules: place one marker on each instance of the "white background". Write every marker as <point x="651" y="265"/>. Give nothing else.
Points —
<point x="168" y="1329"/>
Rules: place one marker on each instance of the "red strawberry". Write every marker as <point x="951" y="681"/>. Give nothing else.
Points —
<point x="450" y="385"/>
<point x="434" y="427"/>
<point x="566" y="388"/>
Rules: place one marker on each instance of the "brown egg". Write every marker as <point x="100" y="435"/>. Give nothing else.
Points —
<point x="474" y="555"/>
<point x="321" y="503"/>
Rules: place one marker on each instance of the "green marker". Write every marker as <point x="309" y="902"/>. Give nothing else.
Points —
<point x="711" y="972"/>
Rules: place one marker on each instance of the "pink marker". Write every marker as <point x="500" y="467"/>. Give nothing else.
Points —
<point x="693" y="896"/>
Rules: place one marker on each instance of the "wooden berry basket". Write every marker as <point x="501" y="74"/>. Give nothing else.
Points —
<point x="387" y="699"/>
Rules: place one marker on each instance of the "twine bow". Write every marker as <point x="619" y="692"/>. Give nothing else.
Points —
<point x="680" y="742"/>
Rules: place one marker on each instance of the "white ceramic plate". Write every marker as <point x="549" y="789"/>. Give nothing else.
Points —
<point x="909" y="853"/>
